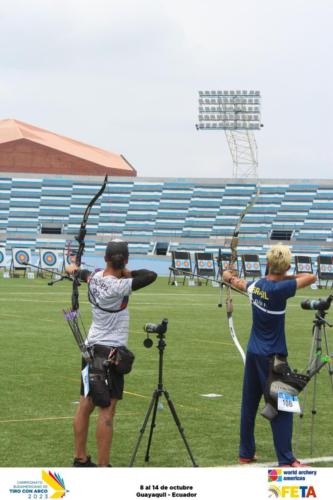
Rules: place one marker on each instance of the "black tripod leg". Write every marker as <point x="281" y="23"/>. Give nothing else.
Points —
<point x="313" y="414"/>
<point x="143" y="428"/>
<point x="312" y="357"/>
<point x="180" y="428"/>
<point x="329" y="365"/>
<point x="152" y="425"/>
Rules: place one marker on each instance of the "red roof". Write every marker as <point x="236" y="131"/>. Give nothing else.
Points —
<point x="27" y="148"/>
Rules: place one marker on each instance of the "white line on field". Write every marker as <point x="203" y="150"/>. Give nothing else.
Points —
<point x="17" y="316"/>
<point x="42" y="419"/>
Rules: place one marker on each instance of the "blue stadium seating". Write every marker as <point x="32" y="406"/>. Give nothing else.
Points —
<point x="197" y="213"/>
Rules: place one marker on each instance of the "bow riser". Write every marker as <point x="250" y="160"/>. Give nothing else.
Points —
<point x="72" y="316"/>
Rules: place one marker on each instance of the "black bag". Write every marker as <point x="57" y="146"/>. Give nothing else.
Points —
<point x="121" y="360"/>
<point x="98" y="387"/>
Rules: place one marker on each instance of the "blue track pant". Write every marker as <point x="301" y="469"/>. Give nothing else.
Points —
<point x="255" y="378"/>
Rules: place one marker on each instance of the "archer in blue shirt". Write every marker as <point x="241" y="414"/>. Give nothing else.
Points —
<point x="269" y="301"/>
<point x="268" y="297"/>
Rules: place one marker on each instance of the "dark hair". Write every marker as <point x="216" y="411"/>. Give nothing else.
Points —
<point x="116" y="254"/>
<point x="117" y="261"/>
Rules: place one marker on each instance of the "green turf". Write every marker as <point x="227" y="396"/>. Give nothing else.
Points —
<point x="40" y="372"/>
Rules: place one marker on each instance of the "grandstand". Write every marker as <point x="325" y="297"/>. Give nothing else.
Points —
<point x="46" y="181"/>
<point x="175" y="214"/>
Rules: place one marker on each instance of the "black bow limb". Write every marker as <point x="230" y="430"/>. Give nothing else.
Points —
<point x="80" y="239"/>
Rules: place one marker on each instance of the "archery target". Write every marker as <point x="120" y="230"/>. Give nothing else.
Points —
<point x="20" y="256"/>
<point x="252" y="266"/>
<point x="2" y="256"/>
<point x="182" y="264"/>
<point x="205" y="264"/>
<point x="304" y="268"/>
<point x="69" y="257"/>
<point x="49" y="258"/>
<point x="69" y="254"/>
<point x="326" y="268"/>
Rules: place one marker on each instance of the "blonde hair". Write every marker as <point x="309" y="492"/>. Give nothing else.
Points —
<point x="278" y="259"/>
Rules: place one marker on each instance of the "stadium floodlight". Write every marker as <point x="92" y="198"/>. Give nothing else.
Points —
<point x="238" y="114"/>
<point x="235" y="111"/>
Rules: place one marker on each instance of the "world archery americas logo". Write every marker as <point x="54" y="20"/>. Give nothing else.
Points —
<point x="56" y="482"/>
<point x="274" y="475"/>
<point x="287" y="491"/>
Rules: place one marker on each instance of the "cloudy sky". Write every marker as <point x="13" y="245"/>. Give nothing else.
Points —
<point x="124" y="75"/>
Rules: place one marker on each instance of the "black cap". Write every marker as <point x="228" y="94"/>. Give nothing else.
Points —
<point x="116" y="247"/>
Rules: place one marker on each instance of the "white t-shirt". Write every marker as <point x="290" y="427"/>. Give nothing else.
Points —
<point x="109" y="292"/>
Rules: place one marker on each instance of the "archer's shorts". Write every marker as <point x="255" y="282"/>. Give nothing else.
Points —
<point x="117" y="383"/>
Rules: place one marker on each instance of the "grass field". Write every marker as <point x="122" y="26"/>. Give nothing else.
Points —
<point x="40" y="372"/>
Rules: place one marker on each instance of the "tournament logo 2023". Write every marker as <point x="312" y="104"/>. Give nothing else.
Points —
<point x="291" y="483"/>
<point x="51" y="485"/>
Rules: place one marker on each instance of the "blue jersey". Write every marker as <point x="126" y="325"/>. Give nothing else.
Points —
<point x="269" y="300"/>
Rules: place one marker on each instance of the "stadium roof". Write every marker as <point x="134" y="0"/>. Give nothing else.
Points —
<point x="29" y="149"/>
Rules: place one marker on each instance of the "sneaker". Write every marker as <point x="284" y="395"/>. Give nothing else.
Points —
<point x="243" y="460"/>
<point x="295" y="463"/>
<point x="88" y="463"/>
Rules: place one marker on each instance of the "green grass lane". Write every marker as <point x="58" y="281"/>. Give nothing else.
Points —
<point x="40" y="372"/>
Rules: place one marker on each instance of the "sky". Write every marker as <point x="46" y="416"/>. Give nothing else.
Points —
<point x="124" y="75"/>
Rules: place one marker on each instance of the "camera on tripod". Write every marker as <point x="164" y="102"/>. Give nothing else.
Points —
<point x="160" y="329"/>
<point x="155" y="403"/>
<point x="317" y="304"/>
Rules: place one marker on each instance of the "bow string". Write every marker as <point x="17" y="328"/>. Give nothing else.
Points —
<point x="233" y="260"/>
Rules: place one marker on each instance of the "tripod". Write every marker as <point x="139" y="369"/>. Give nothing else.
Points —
<point x="317" y="360"/>
<point x="157" y="394"/>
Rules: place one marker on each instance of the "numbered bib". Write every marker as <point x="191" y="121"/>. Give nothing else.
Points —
<point x="85" y="380"/>
<point x="287" y="402"/>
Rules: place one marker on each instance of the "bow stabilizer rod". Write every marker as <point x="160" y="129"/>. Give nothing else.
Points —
<point x="215" y="280"/>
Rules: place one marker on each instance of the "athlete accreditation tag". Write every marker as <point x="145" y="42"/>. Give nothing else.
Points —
<point x="287" y="402"/>
<point x="85" y="380"/>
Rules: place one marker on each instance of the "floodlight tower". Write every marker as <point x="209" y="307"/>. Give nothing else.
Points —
<point x="237" y="112"/>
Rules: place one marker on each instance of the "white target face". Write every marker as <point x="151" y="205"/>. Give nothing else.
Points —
<point x="49" y="258"/>
<point x="21" y="256"/>
<point x="2" y="256"/>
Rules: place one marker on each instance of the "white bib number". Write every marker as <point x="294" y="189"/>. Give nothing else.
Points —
<point x="85" y="380"/>
<point x="287" y="402"/>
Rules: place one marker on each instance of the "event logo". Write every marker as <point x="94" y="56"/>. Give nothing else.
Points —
<point x="51" y="485"/>
<point x="274" y="475"/>
<point x="56" y="482"/>
<point x="273" y="492"/>
<point x="289" y="490"/>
